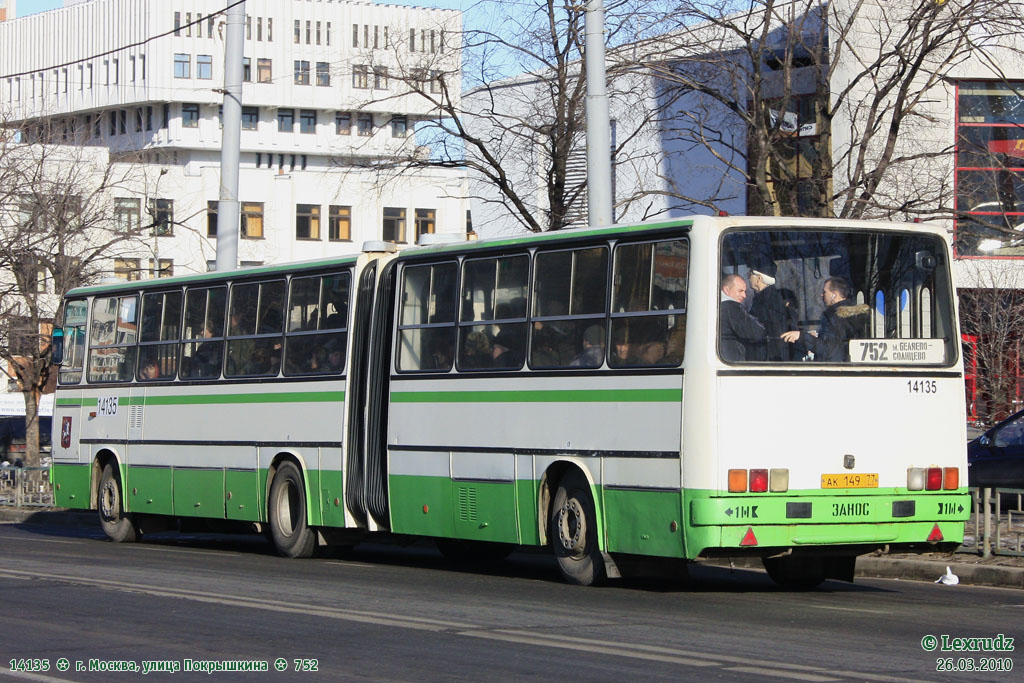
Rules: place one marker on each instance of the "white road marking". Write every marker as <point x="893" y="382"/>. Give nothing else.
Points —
<point x="761" y="671"/>
<point x="850" y="609"/>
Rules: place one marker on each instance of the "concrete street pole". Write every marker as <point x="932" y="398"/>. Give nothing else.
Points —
<point x="599" y="162"/>
<point x="227" y="207"/>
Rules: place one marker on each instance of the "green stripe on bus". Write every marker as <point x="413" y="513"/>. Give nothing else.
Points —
<point x="542" y="396"/>
<point x="214" y="399"/>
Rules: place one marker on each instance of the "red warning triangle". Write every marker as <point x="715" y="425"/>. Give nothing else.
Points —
<point x="749" y="538"/>
<point x="936" y="535"/>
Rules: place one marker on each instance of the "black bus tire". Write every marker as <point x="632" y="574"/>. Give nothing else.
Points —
<point x="291" y="535"/>
<point x="116" y="523"/>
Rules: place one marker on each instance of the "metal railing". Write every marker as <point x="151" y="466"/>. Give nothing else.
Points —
<point x="996" y="525"/>
<point x="26" y="487"/>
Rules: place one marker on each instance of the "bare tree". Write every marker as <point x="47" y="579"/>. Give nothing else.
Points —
<point x="521" y="138"/>
<point x="56" y="227"/>
<point x="992" y="317"/>
<point x="825" y="108"/>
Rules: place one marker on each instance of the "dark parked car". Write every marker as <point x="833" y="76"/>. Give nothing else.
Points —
<point x="996" y="458"/>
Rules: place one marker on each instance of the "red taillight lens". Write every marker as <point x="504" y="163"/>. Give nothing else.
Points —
<point x="758" y="481"/>
<point x="933" y="482"/>
<point x="951" y="478"/>
<point x="737" y="481"/>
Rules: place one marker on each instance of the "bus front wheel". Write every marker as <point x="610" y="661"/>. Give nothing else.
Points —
<point x="288" y="529"/>
<point x="116" y="524"/>
<point x="573" y="532"/>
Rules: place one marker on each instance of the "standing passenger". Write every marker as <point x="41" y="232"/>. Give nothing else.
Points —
<point x="740" y="334"/>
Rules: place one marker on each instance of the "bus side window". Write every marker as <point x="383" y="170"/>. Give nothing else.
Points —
<point x="649" y="304"/>
<point x="75" y="313"/>
<point x="426" y="337"/>
<point x="203" y="333"/>
<point x="158" y="336"/>
<point x="256" y="317"/>
<point x="317" y="327"/>
<point x="112" y="339"/>
<point x="492" y="328"/>
<point x="569" y="308"/>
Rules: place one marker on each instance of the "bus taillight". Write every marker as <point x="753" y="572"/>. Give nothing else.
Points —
<point x="778" y="481"/>
<point x="737" y="481"/>
<point x="915" y="479"/>
<point x="758" y="481"/>
<point x="933" y="481"/>
<point x="951" y="478"/>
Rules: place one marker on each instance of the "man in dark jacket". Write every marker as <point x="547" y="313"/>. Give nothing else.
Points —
<point x="741" y="336"/>
<point x="770" y="310"/>
<point x="842" y="320"/>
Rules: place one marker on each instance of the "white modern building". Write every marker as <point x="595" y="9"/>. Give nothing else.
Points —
<point x="7" y="9"/>
<point x="324" y="110"/>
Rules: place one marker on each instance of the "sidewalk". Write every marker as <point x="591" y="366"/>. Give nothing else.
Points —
<point x="973" y="570"/>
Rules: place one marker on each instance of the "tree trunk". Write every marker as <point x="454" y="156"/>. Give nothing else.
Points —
<point x="31" y="427"/>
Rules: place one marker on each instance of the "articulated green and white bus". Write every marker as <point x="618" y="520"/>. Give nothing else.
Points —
<point x="575" y="390"/>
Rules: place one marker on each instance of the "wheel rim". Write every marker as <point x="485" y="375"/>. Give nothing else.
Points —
<point x="288" y="508"/>
<point x="110" y="504"/>
<point x="572" y="528"/>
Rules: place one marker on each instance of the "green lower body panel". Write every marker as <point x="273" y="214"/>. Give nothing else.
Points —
<point x="71" y="485"/>
<point x="332" y="498"/>
<point x="150" y="490"/>
<point x="199" y="493"/>
<point x="242" y="494"/>
<point x="644" y="522"/>
<point x="438" y="506"/>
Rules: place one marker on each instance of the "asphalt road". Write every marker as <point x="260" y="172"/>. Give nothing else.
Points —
<point x="392" y="613"/>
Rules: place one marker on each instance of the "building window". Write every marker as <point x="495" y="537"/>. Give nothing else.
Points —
<point x="339" y="226"/>
<point x="127" y="268"/>
<point x="190" y="116"/>
<point x="364" y="125"/>
<point x="308" y="32"/>
<point x="990" y="169"/>
<point x="259" y="29"/>
<point x="112" y="116"/>
<point x="435" y="81"/>
<point x="162" y="213"/>
<point x="117" y="70"/>
<point x="263" y="71"/>
<point x="425" y="222"/>
<point x="355" y="35"/>
<point x="399" y="126"/>
<point x="270" y="29"/>
<point x="204" y="67"/>
<point x="412" y="40"/>
<point x="252" y="220"/>
<point x="307" y="221"/>
<point x="301" y="72"/>
<point x="177" y="23"/>
<point x="285" y="120"/>
<point x="247" y="69"/>
<point x="211" y="218"/>
<point x="250" y="118"/>
<point x="182" y="66"/>
<point x="127" y="214"/>
<point x="298" y="31"/>
<point x="361" y="76"/>
<point x="394" y="224"/>
<point x="162" y="268"/>
<point x="248" y="27"/>
<point x="122" y="119"/>
<point x="327" y="36"/>
<point x="139" y="120"/>
<point x="307" y="121"/>
<point x="318" y="33"/>
<point x="343" y="123"/>
<point x="323" y="74"/>
<point x="380" y="78"/>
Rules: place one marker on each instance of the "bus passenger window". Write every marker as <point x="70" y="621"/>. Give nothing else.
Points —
<point x="158" y="336"/>
<point x="649" y="304"/>
<point x="203" y="333"/>
<point x="426" y="337"/>
<point x="569" y="308"/>
<point x="112" y="340"/>
<point x="254" y="329"/>
<point x="75" y="313"/>
<point x="492" y="327"/>
<point x="316" y="337"/>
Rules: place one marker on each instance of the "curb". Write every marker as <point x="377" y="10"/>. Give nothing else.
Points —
<point x="907" y="568"/>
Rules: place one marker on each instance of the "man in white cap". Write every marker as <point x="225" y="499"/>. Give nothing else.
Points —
<point x="770" y="310"/>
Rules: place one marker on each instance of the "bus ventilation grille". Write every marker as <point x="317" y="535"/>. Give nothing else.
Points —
<point x="467" y="504"/>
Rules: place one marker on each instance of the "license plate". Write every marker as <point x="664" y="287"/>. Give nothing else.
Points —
<point x="849" y="481"/>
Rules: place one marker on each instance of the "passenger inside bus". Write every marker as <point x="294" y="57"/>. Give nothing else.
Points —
<point x="842" y="320"/>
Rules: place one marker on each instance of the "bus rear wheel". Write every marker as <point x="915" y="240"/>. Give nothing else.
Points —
<point x="573" y="532"/>
<point x="288" y="529"/>
<point x="115" y="522"/>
